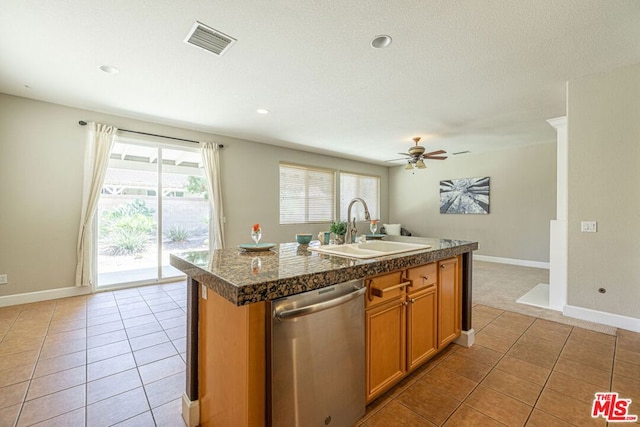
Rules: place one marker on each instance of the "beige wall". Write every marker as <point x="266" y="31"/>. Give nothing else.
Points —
<point x="604" y="172"/>
<point x="522" y="200"/>
<point x="41" y="160"/>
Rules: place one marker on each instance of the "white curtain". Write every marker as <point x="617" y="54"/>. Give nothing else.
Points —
<point x="211" y="162"/>
<point x="100" y="140"/>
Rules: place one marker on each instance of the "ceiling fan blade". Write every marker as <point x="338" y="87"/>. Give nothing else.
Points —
<point x="435" y="158"/>
<point x="435" y="152"/>
<point x="405" y="154"/>
<point x="395" y="160"/>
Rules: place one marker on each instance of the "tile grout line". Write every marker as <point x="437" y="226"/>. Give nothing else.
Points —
<point x="24" y="399"/>
<point x="26" y="393"/>
<point x="613" y="367"/>
<point x="502" y="357"/>
<point x="170" y="340"/>
<point x="58" y="306"/>
<point x="487" y="374"/>
<point x="15" y="421"/>
<point x="135" y="360"/>
<point x="144" y="390"/>
<point x="547" y="380"/>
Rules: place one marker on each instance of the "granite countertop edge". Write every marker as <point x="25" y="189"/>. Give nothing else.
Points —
<point x="242" y="294"/>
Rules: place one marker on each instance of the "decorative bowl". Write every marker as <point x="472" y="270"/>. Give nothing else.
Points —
<point x="303" y="239"/>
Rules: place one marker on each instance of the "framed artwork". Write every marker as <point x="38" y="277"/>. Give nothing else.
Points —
<point x="464" y="196"/>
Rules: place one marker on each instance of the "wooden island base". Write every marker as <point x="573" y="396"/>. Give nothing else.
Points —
<point x="415" y="305"/>
<point x="411" y="316"/>
<point x="231" y="363"/>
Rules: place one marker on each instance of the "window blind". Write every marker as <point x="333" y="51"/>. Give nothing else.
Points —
<point x="363" y="186"/>
<point x="307" y="195"/>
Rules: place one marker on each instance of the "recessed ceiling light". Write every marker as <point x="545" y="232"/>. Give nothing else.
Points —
<point x="109" y="69"/>
<point x="380" y="42"/>
<point x="262" y="111"/>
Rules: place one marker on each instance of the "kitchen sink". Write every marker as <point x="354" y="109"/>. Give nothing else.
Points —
<point x="372" y="249"/>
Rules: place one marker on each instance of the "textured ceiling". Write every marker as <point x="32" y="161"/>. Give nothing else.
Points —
<point x="465" y="75"/>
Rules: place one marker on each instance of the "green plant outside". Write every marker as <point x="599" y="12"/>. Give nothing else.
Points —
<point x="122" y="242"/>
<point x="177" y="234"/>
<point x="197" y="185"/>
<point x="127" y="228"/>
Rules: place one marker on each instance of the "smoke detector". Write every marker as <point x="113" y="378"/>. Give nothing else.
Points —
<point x="209" y="39"/>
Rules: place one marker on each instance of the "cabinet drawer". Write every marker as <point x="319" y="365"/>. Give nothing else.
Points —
<point x="384" y="288"/>
<point x="423" y="276"/>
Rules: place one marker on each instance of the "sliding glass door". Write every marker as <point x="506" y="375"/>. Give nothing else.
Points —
<point x="154" y="202"/>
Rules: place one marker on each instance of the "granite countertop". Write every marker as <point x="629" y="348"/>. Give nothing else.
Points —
<point x="287" y="269"/>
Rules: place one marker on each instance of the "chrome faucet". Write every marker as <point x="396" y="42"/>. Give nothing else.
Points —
<point x="352" y="231"/>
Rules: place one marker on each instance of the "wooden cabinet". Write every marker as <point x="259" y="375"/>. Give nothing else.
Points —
<point x="449" y="301"/>
<point x="422" y="308"/>
<point x="385" y="346"/>
<point x="385" y="332"/>
<point x="410" y="315"/>
<point x="421" y="326"/>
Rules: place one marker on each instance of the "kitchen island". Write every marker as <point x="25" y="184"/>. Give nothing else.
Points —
<point x="227" y="315"/>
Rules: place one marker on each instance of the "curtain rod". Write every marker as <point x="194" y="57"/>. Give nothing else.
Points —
<point x="83" y="123"/>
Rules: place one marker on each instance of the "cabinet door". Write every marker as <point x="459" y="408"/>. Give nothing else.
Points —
<point x="385" y="346"/>
<point x="421" y="326"/>
<point x="449" y="315"/>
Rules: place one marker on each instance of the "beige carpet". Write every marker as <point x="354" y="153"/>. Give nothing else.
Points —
<point x="500" y="285"/>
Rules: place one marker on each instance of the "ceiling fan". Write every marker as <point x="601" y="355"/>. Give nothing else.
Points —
<point x="416" y="155"/>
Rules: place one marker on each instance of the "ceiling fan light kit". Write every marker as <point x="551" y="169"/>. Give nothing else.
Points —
<point x="417" y="156"/>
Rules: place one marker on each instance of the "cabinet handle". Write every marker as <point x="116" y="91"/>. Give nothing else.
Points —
<point x="443" y="265"/>
<point x="405" y="303"/>
<point x="425" y="277"/>
<point x="379" y="292"/>
<point x="412" y="300"/>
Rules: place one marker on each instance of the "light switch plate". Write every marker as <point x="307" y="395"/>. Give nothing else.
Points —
<point x="4" y="279"/>
<point x="589" y="226"/>
<point x="203" y="291"/>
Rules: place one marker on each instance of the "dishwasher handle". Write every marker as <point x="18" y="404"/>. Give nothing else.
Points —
<point x="314" y="308"/>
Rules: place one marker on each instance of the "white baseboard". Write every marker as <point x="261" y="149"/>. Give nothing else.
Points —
<point x="616" y="320"/>
<point x="512" y="261"/>
<point x="30" y="297"/>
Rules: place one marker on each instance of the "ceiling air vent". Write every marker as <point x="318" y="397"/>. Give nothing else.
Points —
<point x="209" y="39"/>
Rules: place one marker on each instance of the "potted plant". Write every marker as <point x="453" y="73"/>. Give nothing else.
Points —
<point x="339" y="229"/>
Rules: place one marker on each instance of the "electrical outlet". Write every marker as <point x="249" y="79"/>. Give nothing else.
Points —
<point x="4" y="279"/>
<point x="589" y="226"/>
<point x="203" y="291"/>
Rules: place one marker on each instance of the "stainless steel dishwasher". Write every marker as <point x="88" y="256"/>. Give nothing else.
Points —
<point x="316" y="367"/>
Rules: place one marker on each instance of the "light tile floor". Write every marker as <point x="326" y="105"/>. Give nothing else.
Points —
<point x="117" y="358"/>
<point x="112" y="358"/>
